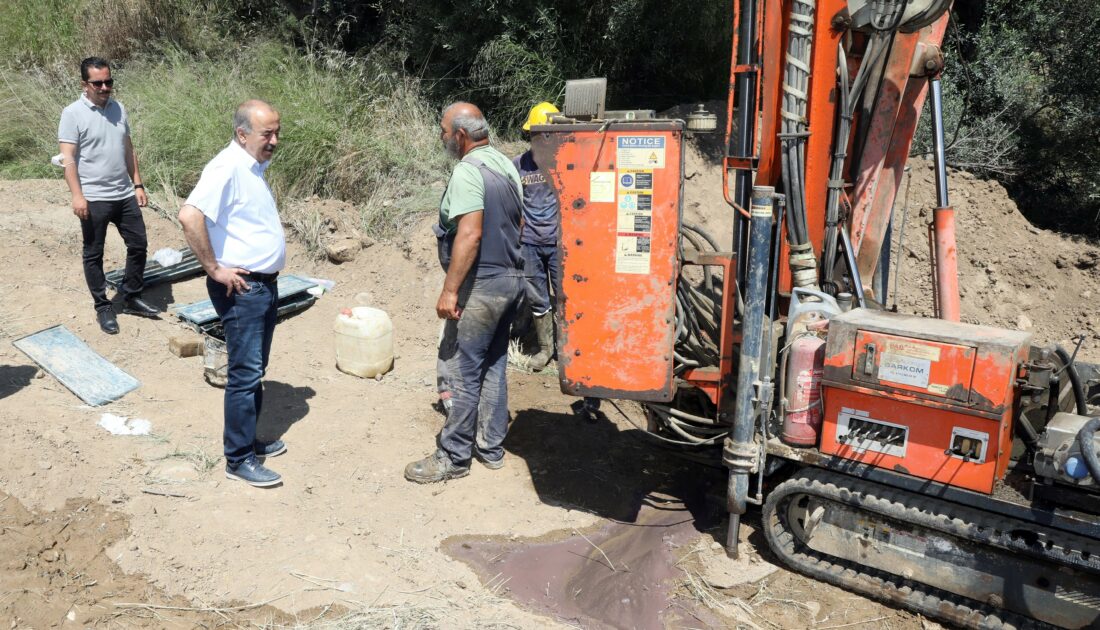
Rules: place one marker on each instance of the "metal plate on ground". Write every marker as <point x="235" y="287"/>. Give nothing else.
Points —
<point x="67" y="358"/>
<point x="155" y="273"/>
<point x="201" y="313"/>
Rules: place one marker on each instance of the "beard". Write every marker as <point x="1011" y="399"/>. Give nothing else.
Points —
<point x="450" y="146"/>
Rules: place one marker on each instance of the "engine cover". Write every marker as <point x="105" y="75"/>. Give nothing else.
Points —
<point x="1059" y="457"/>
<point x="924" y="397"/>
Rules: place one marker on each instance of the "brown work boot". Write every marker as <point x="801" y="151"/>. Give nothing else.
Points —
<point x="544" y="328"/>
<point x="435" y="467"/>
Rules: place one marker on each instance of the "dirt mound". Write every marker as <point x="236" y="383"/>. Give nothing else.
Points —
<point x="1011" y="274"/>
<point x="57" y="572"/>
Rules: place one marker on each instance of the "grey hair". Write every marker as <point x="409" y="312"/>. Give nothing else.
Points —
<point x="475" y="126"/>
<point x="242" y="119"/>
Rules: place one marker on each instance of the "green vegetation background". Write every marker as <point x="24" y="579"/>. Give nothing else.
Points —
<point x="359" y="84"/>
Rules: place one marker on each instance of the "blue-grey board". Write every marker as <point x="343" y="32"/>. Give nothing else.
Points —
<point x="68" y="359"/>
<point x="199" y="313"/>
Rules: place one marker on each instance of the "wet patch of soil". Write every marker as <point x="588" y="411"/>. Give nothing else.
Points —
<point x="618" y="575"/>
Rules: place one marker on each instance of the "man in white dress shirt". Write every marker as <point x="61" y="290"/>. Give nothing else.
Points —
<point x="233" y="227"/>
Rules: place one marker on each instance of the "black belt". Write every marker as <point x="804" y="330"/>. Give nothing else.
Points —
<point x="263" y="277"/>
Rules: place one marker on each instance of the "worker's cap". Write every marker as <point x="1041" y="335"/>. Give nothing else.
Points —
<point x="539" y="115"/>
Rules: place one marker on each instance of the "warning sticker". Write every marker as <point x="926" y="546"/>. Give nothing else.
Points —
<point x="635" y="180"/>
<point x="601" y="187"/>
<point x="634" y="211"/>
<point x="640" y="152"/>
<point x="910" y="349"/>
<point x="632" y="253"/>
<point x="906" y="370"/>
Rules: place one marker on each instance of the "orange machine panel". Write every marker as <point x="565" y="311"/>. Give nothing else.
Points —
<point x="619" y="189"/>
<point x="914" y="439"/>
<point x="940" y="369"/>
<point x="925" y="397"/>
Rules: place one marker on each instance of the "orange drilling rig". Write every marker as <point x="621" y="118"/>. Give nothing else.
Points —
<point x="946" y="467"/>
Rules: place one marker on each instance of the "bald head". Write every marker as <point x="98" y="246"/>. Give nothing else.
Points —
<point x="463" y="128"/>
<point x="243" y="117"/>
<point x="256" y="128"/>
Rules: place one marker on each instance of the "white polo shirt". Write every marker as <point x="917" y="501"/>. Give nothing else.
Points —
<point x="241" y="218"/>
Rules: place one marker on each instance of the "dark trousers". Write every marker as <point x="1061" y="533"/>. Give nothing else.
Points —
<point x="475" y="351"/>
<point x="542" y="266"/>
<point x="249" y="322"/>
<point x="126" y="215"/>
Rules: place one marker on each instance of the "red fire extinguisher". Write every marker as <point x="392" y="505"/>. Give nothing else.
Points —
<point x="805" y="367"/>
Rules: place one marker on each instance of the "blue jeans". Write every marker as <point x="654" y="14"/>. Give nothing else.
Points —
<point x="249" y="322"/>
<point x="541" y="263"/>
<point x="475" y="351"/>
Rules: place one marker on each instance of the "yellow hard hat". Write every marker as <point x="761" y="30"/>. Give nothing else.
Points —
<point x="539" y="115"/>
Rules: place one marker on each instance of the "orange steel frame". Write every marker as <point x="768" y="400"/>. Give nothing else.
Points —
<point x="885" y="148"/>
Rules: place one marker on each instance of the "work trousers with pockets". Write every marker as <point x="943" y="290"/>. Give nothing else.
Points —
<point x="126" y="216"/>
<point x="542" y="267"/>
<point x="249" y="322"/>
<point x="475" y="352"/>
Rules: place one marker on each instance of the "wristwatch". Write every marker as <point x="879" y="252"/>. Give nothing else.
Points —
<point x="141" y="186"/>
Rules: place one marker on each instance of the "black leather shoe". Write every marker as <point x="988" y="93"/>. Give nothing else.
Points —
<point x="141" y="308"/>
<point x="107" y="321"/>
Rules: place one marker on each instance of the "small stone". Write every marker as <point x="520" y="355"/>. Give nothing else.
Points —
<point x="1023" y="322"/>
<point x="44" y="465"/>
<point x="185" y="345"/>
<point x="40" y="374"/>
<point x="460" y="584"/>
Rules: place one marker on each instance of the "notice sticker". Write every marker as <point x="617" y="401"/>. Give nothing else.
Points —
<point x="601" y="187"/>
<point x="640" y="152"/>
<point x="905" y="370"/>
<point x="632" y="253"/>
<point x="911" y="349"/>
<point x="631" y="219"/>
<point x="635" y="181"/>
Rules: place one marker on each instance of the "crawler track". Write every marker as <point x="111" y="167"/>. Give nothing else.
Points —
<point x="1022" y="570"/>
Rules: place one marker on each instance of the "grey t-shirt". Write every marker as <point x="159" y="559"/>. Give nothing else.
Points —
<point x="99" y="135"/>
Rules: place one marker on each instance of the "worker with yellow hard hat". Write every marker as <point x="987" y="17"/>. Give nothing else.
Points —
<point x="539" y="239"/>
<point x="539" y="115"/>
<point x="542" y="259"/>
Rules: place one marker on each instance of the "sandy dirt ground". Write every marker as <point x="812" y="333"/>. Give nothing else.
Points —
<point x="587" y="525"/>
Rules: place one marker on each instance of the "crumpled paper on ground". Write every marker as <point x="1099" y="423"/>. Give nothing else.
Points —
<point x="120" y="425"/>
<point x="167" y="256"/>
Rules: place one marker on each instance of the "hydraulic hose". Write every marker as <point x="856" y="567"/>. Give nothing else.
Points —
<point x="1088" y="447"/>
<point x="1075" y="380"/>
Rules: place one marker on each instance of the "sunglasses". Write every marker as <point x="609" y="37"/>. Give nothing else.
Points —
<point x="99" y="84"/>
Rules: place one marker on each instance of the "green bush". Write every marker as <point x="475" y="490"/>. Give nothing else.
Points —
<point x="1022" y="105"/>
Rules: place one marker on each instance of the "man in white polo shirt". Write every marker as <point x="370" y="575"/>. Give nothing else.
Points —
<point x="102" y="173"/>
<point x="233" y="227"/>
